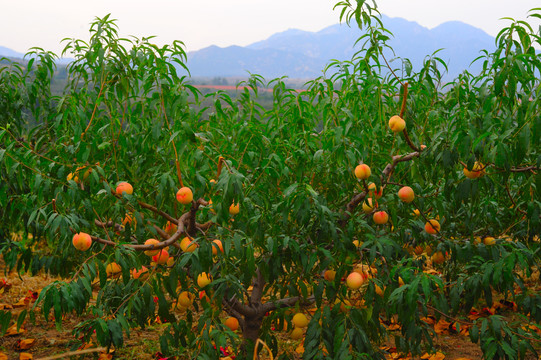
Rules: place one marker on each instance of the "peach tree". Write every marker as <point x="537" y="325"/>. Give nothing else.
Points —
<point x="376" y="195"/>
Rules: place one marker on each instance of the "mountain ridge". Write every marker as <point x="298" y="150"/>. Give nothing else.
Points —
<point x="304" y="54"/>
<point x="457" y="43"/>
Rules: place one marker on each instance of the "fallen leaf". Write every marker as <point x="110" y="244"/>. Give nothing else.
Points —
<point x="312" y="311"/>
<point x="299" y="349"/>
<point x="12" y="330"/>
<point x="430" y="320"/>
<point x="22" y="302"/>
<point x="24" y="344"/>
<point x="105" y="356"/>
<point x="442" y="327"/>
<point x="25" y="356"/>
<point x="437" y="356"/>
<point x="3" y="356"/>
<point x="5" y="307"/>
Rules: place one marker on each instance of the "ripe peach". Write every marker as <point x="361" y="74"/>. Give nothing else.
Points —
<point x="82" y="241"/>
<point x="489" y="240"/>
<point x="373" y="190"/>
<point x="379" y="290"/>
<point x="203" y="296"/>
<point x="113" y="269"/>
<point x="354" y="280"/>
<point x="329" y="275"/>
<point x="296" y="334"/>
<point x="368" y="205"/>
<point x="217" y="245"/>
<point x="406" y="194"/>
<point x="432" y="226"/>
<point x="152" y="252"/>
<point x="124" y="187"/>
<point x="477" y="171"/>
<point x="232" y="323"/>
<point x="234" y="209"/>
<point x="438" y="258"/>
<point x="186" y="299"/>
<point x="362" y="171"/>
<point x="203" y="279"/>
<point x="141" y="273"/>
<point x="187" y="245"/>
<point x="397" y="124"/>
<point x="381" y="217"/>
<point x="184" y="195"/>
<point x="161" y="257"/>
<point x="170" y="228"/>
<point x="300" y="320"/>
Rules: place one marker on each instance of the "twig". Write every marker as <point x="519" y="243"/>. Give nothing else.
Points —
<point x="259" y="341"/>
<point x="404" y="100"/>
<point x="513" y="201"/>
<point x="73" y="353"/>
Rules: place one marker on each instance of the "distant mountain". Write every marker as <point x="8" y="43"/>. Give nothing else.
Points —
<point x="5" y="52"/>
<point x="302" y="54"/>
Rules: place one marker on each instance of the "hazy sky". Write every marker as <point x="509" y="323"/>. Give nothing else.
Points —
<point x="200" y="23"/>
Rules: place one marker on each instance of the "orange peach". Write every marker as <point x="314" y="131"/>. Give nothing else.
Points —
<point x="354" y="280"/>
<point x="368" y="205"/>
<point x="362" y="171"/>
<point x="124" y="187"/>
<point x="141" y="273"/>
<point x="161" y="257"/>
<point x="373" y="190"/>
<point x="113" y="269"/>
<point x="438" y="258"/>
<point x="432" y="226"/>
<point x="397" y="124"/>
<point x="300" y="320"/>
<point x="152" y="252"/>
<point x="234" y="209"/>
<point x="381" y="217"/>
<point x="406" y="194"/>
<point x="379" y="290"/>
<point x="232" y="323"/>
<point x="217" y="245"/>
<point x="329" y="275"/>
<point x="187" y="245"/>
<point x="184" y="195"/>
<point x="489" y="240"/>
<point x="82" y="241"/>
<point x="186" y="299"/>
<point x="476" y="172"/>
<point x="203" y="280"/>
<point x="170" y="228"/>
<point x="296" y="334"/>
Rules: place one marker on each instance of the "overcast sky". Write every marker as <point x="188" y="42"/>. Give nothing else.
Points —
<point x="200" y="23"/>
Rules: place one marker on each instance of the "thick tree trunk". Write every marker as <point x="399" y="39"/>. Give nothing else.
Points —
<point x="250" y="333"/>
